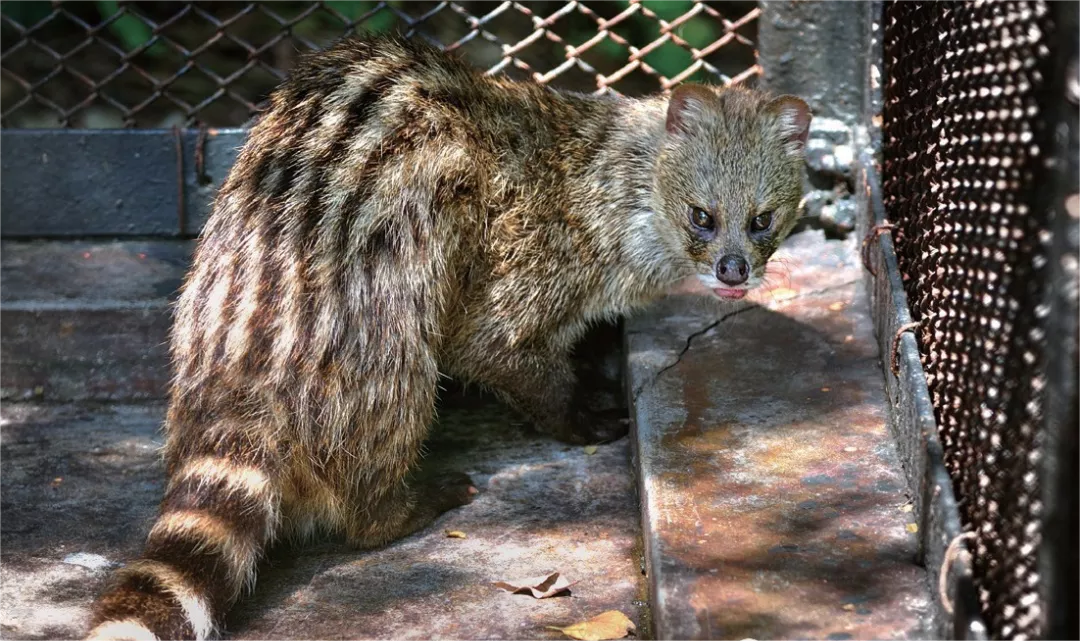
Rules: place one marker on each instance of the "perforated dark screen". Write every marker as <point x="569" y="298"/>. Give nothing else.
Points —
<point x="966" y="142"/>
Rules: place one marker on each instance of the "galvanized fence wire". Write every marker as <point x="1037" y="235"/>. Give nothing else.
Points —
<point x="164" y="64"/>
<point x="966" y="145"/>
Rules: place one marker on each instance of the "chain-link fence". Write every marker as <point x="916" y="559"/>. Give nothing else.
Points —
<point x="160" y="64"/>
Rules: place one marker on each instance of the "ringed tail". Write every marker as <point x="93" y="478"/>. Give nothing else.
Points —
<point x="217" y="517"/>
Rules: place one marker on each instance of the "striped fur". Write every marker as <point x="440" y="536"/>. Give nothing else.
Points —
<point x="396" y="216"/>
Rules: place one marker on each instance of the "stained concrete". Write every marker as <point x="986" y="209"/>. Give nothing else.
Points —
<point x="774" y="504"/>
<point x="80" y="484"/>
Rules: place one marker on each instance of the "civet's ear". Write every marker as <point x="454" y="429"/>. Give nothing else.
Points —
<point x="687" y="101"/>
<point x="792" y="118"/>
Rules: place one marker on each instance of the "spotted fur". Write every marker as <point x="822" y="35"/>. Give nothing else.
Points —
<point x="393" y="217"/>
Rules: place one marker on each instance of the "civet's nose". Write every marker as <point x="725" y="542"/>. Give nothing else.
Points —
<point x="732" y="270"/>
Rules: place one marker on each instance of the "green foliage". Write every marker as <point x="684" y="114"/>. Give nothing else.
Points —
<point x="323" y="27"/>
<point x="670" y="59"/>
<point x="129" y="30"/>
<point x="25" y="13"/>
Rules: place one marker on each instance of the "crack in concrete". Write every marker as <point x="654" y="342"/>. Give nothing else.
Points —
<point x="713" y="325"/>
<point x="686" y="348"/>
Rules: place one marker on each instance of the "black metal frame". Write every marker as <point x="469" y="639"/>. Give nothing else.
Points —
<point x="1059" y="561"/>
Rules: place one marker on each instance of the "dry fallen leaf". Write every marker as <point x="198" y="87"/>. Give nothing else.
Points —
<point x="835" y="307"/>
<point x="540" y="587"/>
<point x="590" y="449"/>
<point x="609" y="625"/>
<point x="849" y="606"/>
<point x="455" y="534"/>
<point x="907" y="507"/>
<point x="912" y="527"/>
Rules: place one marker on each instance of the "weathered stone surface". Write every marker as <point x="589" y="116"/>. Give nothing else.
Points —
<point x="84" y="320"/>
<point x="73" y="352"/>
<point x="110" y="182"/>
<point x="80" y="487"/>
<point x="772" y="495"/>
<point x="92" y="272"/>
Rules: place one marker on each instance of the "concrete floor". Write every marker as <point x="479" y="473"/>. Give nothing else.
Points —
<point x="80" y="486"/>
<point x="774" y="504"/>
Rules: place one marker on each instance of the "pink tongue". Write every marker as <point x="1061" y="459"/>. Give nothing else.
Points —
<point x="730" y="293"/>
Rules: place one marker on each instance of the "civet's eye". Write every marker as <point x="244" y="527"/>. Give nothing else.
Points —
<point x="701" y="218"/>
<point x="761" y="222"/>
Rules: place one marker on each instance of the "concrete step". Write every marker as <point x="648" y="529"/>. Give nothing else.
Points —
<point x="773" y="502"/>
<point x="80" y="485"/>
<point x="87" y="320"/>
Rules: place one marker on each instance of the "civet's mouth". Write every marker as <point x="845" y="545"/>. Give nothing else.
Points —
<point x="708" y="285"/>
<point x="720" y="290"/>
<point x="727" y="293"/>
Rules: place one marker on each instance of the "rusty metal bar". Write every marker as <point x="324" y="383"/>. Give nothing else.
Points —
<point x="911" y="420"/>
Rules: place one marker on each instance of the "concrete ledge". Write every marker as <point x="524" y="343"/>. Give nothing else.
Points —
<point x="774" y="504"/>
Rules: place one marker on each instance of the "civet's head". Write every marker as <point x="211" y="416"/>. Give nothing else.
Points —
<point x="729" y="180"/>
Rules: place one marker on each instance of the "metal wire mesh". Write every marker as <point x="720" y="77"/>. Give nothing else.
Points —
<point x="966" y="144"/>
<point x="167" y="63"/>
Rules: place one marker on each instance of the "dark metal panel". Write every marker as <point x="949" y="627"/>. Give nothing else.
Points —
<point x="69" y="183"/>
<point x="816" y="50"/>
